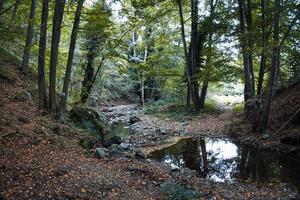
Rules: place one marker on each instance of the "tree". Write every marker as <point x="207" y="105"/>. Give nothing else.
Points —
<point x="275" y="70"/>
<point x="29" y="37"/>
<point x="245" y="41"/>
<point x="56" y="31"/>
<point x="64" y="93"/>
<point x="41" y="56"/>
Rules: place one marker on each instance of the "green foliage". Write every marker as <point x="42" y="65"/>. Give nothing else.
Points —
<point x="177" y="192"/>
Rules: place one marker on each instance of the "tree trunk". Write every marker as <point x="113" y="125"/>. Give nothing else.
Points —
<point x="247" y="58"/>
<point x="274" y="71"/>
<point x="29" y="37"/>
<point x="142" y="98"/>
<point x="263" y="55"/>
<point x="41" y="58"/>
<point x="87" y="82"/>
<point x="98" y="70"/>
<point x="1" y="5"/>
<point x="56" y="31"/>
<point x="203" y="94"/>
<point x="194" y="54"/>
<point x="15" y="10"/>
<point x="64" y="92"/>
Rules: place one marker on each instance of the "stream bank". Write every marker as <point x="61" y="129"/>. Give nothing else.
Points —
<point x="175" y="145"/>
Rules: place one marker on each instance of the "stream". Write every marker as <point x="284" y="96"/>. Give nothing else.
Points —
<point x="221" y="160"/>
<point x="213" y="158"/>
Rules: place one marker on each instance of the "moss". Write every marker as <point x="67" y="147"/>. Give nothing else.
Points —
<point x="8" y="72"/>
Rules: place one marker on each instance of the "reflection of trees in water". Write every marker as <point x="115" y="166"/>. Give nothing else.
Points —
<point x="290" y="170"/>
<point x="249" y="164"/>
<point x="256" y="166"/>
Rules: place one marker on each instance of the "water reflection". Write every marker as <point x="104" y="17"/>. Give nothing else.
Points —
<point x="118" y="129"/>
<point x="220" y="160"/>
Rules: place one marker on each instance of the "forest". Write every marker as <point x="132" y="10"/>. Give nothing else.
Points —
<point x="150" y="99"/>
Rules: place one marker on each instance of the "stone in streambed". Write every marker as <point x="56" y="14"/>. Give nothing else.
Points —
<point x="25" y="119"/>
<point x="139" y="154"/>
<point x="125" y="146"/>
<point x="101" y="153"/>
<point x="134" y="119"/>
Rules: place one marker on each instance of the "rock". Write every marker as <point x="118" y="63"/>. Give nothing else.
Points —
<point x="25" y="119"/>
<point x="157" y="130"/>
<point x="125" y="146"/>
<point x="107" y="142"/>
<point x="8" y="72"/>
<point x="134" y="119"/>
<point x="265" y="136"/>
<point x="100" y="153"/>
<point x="139" y="154"/>
<point x="115" y="150"/>
<point x="116" y="140"/>
<point x="23" y="96"/>
<point x="116" y="146"/>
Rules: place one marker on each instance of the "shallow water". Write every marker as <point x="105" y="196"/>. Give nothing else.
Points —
<point x="221" y="160"/>
<point x="118" y="129"/>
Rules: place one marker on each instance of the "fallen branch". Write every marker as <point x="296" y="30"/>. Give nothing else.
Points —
<point x="284" y="125"/>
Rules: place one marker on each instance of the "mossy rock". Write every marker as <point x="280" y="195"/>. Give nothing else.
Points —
<point x="83" y="113"/>
<point x="89" y="119"/>
<point x="9" y="73"/>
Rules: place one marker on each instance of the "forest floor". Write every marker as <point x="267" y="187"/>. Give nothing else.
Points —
<point x="42" y="159"/>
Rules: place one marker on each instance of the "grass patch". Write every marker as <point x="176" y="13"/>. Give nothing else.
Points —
<point x="177" y="111"/>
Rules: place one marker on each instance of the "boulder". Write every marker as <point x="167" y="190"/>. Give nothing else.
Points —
<point x="116" y="140"/>
<point x="8" y="73"/>
<point x="125" y="146"/>
<point x="107" y="142"/>
<point x="139" y="154"/>
<point x="89" y="119"/>
<point x="134" y="119"/>
<point x="23" y="96"/>
<point x="25" y="119"/>
<point x="101" y="153"/>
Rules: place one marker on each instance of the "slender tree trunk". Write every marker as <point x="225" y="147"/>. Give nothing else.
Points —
<point x="1" y="5"/>
<point x="56" y="31"/>
<point x="64" y="92"/>
<point x="274" y="71"/>
<point x="142" y="98"/>
<point x="261" y="69"/>
<point x="247" y="58"/>
<point x="87" y="82"/>
<point x="186" y="55"/>
<point x="41" y="58"/>
<point x="29" y="37"/>
<point x="15" y="10"/>
<point x="98" y="70"/>
<point x="263" y="54"/>
<point x="203" y="94"/>
<point x="194" y="54"/>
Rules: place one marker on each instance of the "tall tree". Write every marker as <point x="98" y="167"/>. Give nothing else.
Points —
<point x="245" y="41"/>
<point x="56" y="31"/>
<point x="87" y="82"/>
<point x="275" y="65"/>
<point x="41" y="57"/>
<point x="29" y="37"/>
<point x="64" y="93"/>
